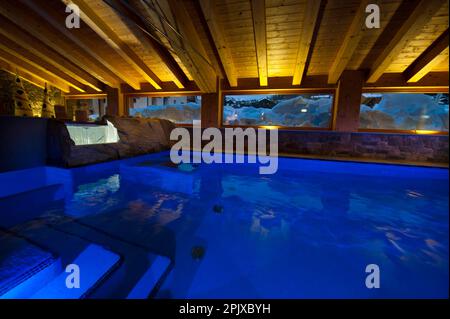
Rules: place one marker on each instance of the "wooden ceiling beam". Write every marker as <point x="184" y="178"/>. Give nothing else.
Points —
<point x="96" y="23"/>
<point x="395" y="82"/>
<point x="310" y="22"/>
<point x="428" y="59"/>
<point x="5" y="66"/>
<point x="350" y="43"/>
<point x="259" y="30"/>
<point x="12" y="48"/>
<point x="24" y="66"/>
<point x="17" y="13"/>
<point x="57" y="20"/>
<point x="31" y="44"/>
<point x="311" y="15"/>
<point x="192" y="44"/>
<point x="421" y="14"/>
<point x="143" y="32"/>
<point x="175" y="28"/>
<point x="310" y="83"/>
<point x="216" y="31"/>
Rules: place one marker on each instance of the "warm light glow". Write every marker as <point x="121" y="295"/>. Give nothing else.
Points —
<point x="427" y="132"/>
<point x="269" y="127"/>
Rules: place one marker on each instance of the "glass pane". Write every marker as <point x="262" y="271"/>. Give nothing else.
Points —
<point x="404" y="111"/>
<point x="93" y="109"/>
<point x="305" y="110"/>
<point x="178" y="109"/>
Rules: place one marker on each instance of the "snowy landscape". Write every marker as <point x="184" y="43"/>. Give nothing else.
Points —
<point x="180" y="110"/>
<point x="397" y="111"/>
<point x="404" y="111"/>
<point x="306" y="110"/>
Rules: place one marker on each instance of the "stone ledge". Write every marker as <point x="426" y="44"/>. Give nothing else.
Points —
<point x="137" y="136"/>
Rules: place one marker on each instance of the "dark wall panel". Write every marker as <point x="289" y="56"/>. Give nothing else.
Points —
<point x="22" y="142"/>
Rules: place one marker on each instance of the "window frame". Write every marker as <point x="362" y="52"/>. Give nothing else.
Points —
<point x="129" y="96"/>
<point x="331" y="92"/>
<point x="100" y="96"/>
<point x="403" y="91"/>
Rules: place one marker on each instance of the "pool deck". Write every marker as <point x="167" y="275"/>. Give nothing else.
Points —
<point x="359" y="160"/>
<point x="366" y="160"/>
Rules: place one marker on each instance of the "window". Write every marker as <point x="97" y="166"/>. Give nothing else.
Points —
<point x="305" y="110"/>
<point x="85" y="109"/>
<point x="404" y="111"/>
<point x="178" y="109"/>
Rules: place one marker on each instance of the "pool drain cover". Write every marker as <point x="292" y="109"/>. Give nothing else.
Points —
<point x="197" y="252"/>
<point x="218" y="209"/>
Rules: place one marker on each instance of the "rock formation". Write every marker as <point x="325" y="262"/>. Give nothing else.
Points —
<point x="137" y="136"/>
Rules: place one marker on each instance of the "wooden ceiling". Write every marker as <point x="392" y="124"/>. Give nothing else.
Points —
<point x="182" y="45"/>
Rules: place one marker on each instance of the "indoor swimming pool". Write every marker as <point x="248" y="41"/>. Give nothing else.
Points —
<point x="152" y="228"/>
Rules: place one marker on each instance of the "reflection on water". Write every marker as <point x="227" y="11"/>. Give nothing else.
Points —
<point x="298" y="233"/>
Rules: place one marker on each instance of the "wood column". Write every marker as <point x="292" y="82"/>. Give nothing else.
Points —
<point x="115" y="102"/>
<point x="347" y="101"/>
<point x="211" y="114"/>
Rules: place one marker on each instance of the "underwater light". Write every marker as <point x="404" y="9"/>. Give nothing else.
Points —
<point x="269" y="127"/>
<point x="426" y="132"/>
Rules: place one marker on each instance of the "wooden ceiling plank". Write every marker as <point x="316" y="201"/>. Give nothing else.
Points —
<point x="14" y="49"/>
<point x="175" y="28"/>
<point x="209" y="11"/>
<point x="311" y="13"/>
<point x="54" y="19"/>
<point x="150" y="44"/>
<point x="428" y="59"/>
<point x="192" y="44"/>
<point x="15" y="13"/>
<point x="22" y="38"/>
<point x="259" y="30"/>
<point x="349" y="44"/>
<point x="421" y="14"/>
<point x="27" y="67"/>
<point x="101" y="27"/>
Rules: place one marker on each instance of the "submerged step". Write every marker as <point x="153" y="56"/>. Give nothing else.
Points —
<point x="151" y="277"/>
<point x="15" y="209"/>
<point x="94" y="264"/>
<point x="24" y="267"/>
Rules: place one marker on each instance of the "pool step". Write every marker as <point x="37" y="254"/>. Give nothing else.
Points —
<point x="24" y="267"/>
<point x="94" y="264"/>
<point x="150" y="279"/>
<point x="15" y="209"/>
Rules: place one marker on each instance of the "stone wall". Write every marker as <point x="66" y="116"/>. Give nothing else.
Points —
<point x="28" y="142"/>
<point x="35" y="94"/>
<point x="381" y="146"/>
<point x="407" y="147"/>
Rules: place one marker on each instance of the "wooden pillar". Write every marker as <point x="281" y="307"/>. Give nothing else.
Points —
<point x="115" y="102"/>
<point x="210" y="110"/>
<point x="211" y="114"/>
<point x="347" y="101"/>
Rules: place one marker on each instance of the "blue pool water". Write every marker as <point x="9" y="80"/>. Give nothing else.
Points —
<point x="308" y="231"/>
